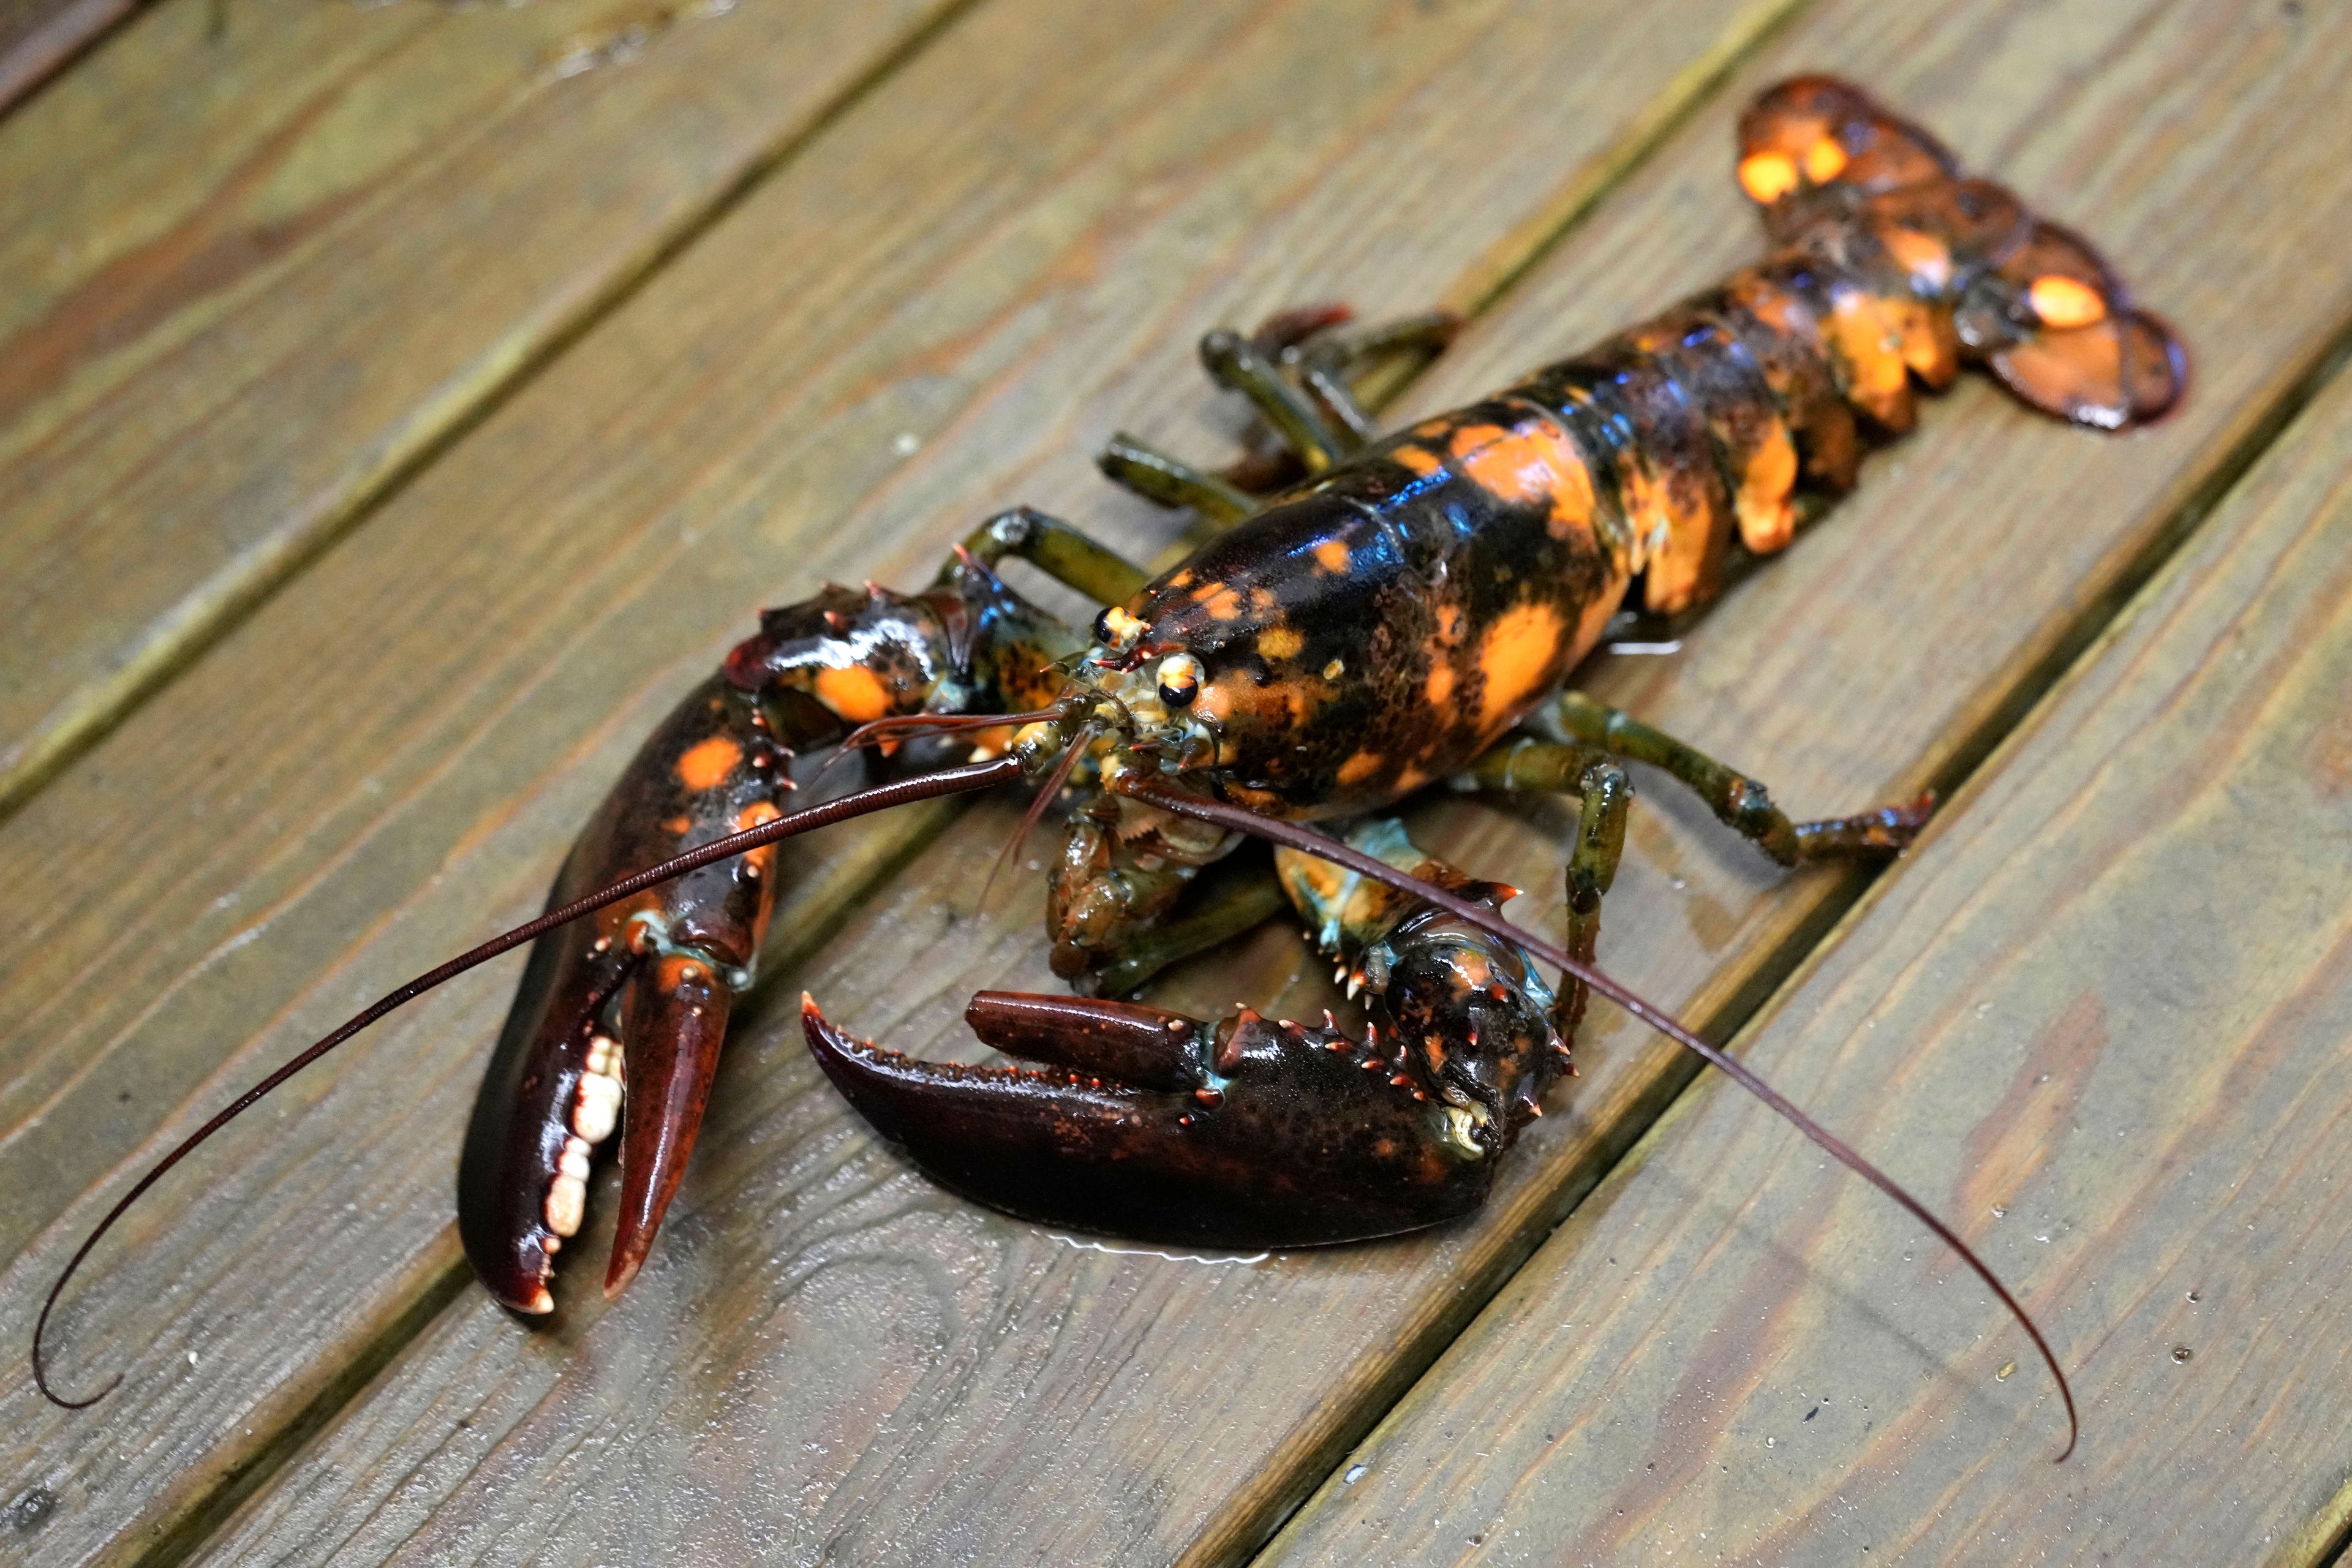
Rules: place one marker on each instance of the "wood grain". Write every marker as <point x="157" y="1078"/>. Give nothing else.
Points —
<point x="2099" y="1017"/>
<point x="1004" y="253"/>
<point x="263" y="258"/>
<point x="839" y="1363"/>
<point x="40" y="38"/>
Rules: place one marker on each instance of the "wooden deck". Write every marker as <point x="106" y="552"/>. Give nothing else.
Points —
<point x="400" y="405"/>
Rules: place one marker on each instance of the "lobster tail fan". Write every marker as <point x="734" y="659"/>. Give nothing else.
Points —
<point x="1816" y="131"/>
<point x="2056" y="327"/>
<point x="2030" y="300"/>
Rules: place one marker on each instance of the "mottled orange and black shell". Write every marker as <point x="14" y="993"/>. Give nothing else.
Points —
<point x="1383" y="623"/>
<point x="1382" y="626"/>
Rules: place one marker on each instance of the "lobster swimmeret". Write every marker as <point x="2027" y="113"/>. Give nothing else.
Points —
<point x="1388" y="617"/>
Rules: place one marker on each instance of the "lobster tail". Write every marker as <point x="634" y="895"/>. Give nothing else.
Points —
<point x="2056" y="327"/>
<point x="1842" y="179"/>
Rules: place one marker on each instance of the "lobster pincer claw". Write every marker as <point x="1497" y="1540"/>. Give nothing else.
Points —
<point x="627" y="1007"/>
<point x="1153" y="1125"/>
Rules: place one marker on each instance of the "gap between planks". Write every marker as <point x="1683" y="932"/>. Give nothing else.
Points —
<point x="39" y="54"/>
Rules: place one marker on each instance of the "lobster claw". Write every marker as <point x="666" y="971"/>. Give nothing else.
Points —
<point x="1162" y="1127"/>
<point x="629" y="1007"/>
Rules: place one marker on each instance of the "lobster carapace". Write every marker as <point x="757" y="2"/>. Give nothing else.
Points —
<point x="1372" y="616"/>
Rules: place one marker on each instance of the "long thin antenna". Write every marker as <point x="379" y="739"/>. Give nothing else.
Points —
<point x="1167" y="797"/>
<point x="926" y="786"/>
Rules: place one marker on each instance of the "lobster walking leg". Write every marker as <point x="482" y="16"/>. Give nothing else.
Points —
<point x="1063" y="552"/>
<point x="1138" y="466"/>
<point x="1238" y="364"/>
<point x="1303" y="376"/>
<point x="1331" y="364"/>
<point x="1741" y="802"/>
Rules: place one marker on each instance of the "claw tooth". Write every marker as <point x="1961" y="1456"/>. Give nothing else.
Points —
<point x="567" y="1204"/>
<point x="1355" y="983"/>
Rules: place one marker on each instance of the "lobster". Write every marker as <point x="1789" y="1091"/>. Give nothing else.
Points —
<point x="1371" y="616"/>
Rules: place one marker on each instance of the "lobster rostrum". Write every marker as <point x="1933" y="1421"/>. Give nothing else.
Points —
<point x="1372" y="616"/>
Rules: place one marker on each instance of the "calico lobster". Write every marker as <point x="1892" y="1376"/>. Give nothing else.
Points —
<point x="1372" y="616"/>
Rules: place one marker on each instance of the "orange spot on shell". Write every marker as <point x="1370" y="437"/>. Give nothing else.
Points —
<point x="1535" y="465"/>
<point x="1767" y="520"/>
<point x="1870" y="345"/>
<point x="706" y="764"/>
<point x="2062" y="301"/>
<point x="1280" y="642"/>
<point x="1422" y="462"/>
<point x="854" y="692"/>
<point x="1518" y="657"/>
<point x="1361" y="766"/>
<point x="1928" y="260"/>
<point x="1224" y="604"/>
<point x="1768" y="177"/>
<point x="1439" y="685"/>
<point x="1824" y="160"/>
<point x="681" y="825"/>
<point x="1331" y="555"/>
<point x="762" y="864"/>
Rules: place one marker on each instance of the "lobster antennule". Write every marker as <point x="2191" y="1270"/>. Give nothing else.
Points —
<point x="1158" y="792"/>
<point x="961" y="779"/>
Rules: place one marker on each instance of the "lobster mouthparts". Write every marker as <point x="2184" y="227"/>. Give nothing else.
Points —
<point x="1153" y="1125"/>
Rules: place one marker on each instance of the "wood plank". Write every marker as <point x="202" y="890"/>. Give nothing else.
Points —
<point x="845" y="1362"/>
<point x="1067" y="196"/>
<point x="2099" y="1017"/>
<point x="40" y="38"/>
<point x="263" y="261"/>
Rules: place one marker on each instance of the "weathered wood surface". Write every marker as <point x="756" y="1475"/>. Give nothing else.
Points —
<point x="1003" y="251"/>
<point x="262" y="259"/>
<point x="2100" y="1017"/>
<point x="40" y="37"/>
<point x="831" y="1358"/>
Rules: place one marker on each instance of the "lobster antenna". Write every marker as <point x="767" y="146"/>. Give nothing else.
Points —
<point x="924" y="787"/>
<point x="1184" y="804"/>
<point x="901" y="726"/>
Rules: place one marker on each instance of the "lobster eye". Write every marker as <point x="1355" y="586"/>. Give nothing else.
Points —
<point x="1116" y="631"/>
<point x="1180" y="679"/>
